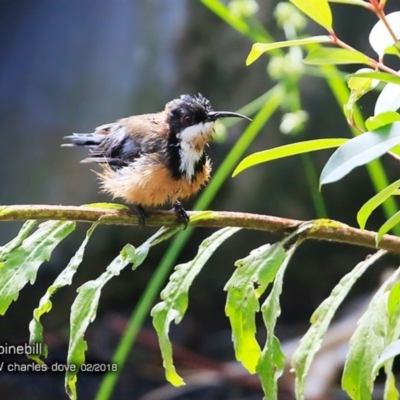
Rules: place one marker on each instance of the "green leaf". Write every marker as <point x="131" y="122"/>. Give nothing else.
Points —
<point x="286" y="151"/>
<point x="45" y="304"/>
<point x="367" y="344"/>
<point x="393" y="306"/>
<point x="16" y="242"/>
<point x="380" y="76"/>
<point x="325" y="55"/>
<point x="388" y="353"/>
<point x="272" y="361"/>
<point x="386" y="118"/>
<point x="260" y="48"/>
<point x="175" y="298"/>
<point x="351" y="2"/>
<point x="317" y="10"/>
<point x="320" y="320"/>
<point x="358" y="86"/>
<point x="22" y="263"/>
<point x="359" y="151"/>
<point x="374" y="202"/>
<point x="84" y="308"/>
<point x="388" y="99"/>
<point x="387" y="226"/>
<point x="248" y="282"/>
<point x="380" y="38"/>
<point x="361" y="84"/>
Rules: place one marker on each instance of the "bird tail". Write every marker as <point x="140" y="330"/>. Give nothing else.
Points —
<point x="90" y="140"/>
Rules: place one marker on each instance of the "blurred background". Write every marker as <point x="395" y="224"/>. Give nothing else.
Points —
<point x="69" y="66"/>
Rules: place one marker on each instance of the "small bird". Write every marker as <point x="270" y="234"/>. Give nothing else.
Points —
<point x="153" y="159"/>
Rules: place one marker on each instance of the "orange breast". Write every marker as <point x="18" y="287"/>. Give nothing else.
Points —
<point x="147" y="182"/>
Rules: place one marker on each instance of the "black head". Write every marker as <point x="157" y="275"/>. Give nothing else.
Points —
<point x="187" y="111"/>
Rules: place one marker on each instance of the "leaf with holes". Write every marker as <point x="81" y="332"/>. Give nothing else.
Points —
<point x="320" y="320"/>
<point x="250" y="279"/>
<point x="20" y="265"/>
<point x="272" y="361"/>
<point x="367" y="344"/>
<point x="175" y="298"/>
<point x="84" y="308"/>
<point x="45" y="304"/>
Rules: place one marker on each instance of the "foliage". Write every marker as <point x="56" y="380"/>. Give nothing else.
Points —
<point x="375" y="342"/>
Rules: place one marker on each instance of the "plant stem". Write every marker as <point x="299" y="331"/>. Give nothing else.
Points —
<point x="323" y="229"/>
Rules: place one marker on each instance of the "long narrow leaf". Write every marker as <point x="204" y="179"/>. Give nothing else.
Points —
<point x="45" y="304"/>
<point x="325" y="55"/>
<point x="387" y="226"/>
<point x="84" y="308"/>
<point x="248" y="282"/>
<point x="393" y="307"/>
<point x="22" y="263"/>
<point x="374" y="202"/>
<point x="381" y="76"/>
<point x="320" y="320"/>
<point x="175" y="298"/>
<point x="367" y="344"/>
<point x="16" y="242"/>
<point x="359" y="151"/>
<point x="260" y="48"/>
<point x="272" y="361"/>
<point x="318" y="10"/>
<point x="287" y="151"/>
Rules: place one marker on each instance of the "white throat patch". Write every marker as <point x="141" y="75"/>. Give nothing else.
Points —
<point x="189" y="155"/>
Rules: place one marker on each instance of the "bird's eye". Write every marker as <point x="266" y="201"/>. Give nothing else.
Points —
<point x="187" y="119"/>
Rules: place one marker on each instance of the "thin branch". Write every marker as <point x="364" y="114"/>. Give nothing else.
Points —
<point x="322" y="229"/>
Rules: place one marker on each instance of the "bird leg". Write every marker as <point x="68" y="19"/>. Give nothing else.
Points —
<point x="181" y="213"/>
<point x="142" y="215"/>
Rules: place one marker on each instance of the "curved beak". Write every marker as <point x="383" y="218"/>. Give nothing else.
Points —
<point x="214" y="115"/>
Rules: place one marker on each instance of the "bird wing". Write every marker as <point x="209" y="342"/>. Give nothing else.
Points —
<point x="119" y="143"/>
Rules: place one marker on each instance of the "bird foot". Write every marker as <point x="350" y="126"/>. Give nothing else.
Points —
<point x="181" y="213"/>
<point x="141" y="214"/>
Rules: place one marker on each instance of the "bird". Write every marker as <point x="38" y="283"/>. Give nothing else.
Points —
<point x="150" y="160"/>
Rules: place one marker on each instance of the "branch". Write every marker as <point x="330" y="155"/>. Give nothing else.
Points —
<point x="322" y="230"/>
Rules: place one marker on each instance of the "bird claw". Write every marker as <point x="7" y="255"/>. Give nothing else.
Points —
<point x="141" y="214"/>
<point x="181" y="213"/>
